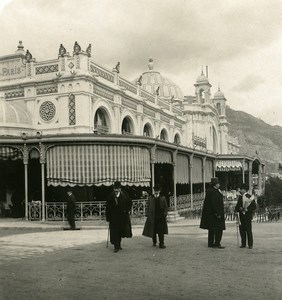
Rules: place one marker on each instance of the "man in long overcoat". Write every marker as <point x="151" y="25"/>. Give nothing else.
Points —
<point x="118" y="207"/>
<point x="156" y="223"/>
<point x="71" y="207"/>
<point x="245" y="206"/>
<point x="213" y="214"/>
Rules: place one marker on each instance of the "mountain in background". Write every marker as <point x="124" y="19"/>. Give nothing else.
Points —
<point x="257" y="138"/>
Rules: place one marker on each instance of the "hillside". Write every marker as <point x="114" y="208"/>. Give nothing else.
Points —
<point x="257" y="137"/>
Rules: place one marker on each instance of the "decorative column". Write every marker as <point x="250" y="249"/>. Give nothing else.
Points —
<point x="263" y="180"/>
<point x="191" y="156"/>
<point x="204" y="174"/>
<point x="153" y="158"/>
<point x="250" y="175"/>
<point x="25" y="161"/>
<point x="243" y="170"/>
<point x="42" y="161"/>
<point x="174" y="165"/>
<point x="259" y="179"/>
<point x="214" y="167"/>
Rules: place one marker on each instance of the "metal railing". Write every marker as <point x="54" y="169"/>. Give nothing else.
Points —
<point x="96" y="210"/>
<point x="57" y="211"/>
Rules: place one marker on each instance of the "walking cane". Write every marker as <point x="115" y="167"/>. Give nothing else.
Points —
<point x="107" y="245"/>
<point x="237" y="225"/>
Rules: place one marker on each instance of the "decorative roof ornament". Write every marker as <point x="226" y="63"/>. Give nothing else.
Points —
<point x="157" y="92"/>
<point x="139" y="81"/>
<point x="151" y="64"/>
<point x="76" y="48"/>
<point x="117" y="68"/>
<point x="62" y="51"/>
<point x="20" y="47"/>
<point x="88" y="50"/>
<point x="28" y="56"/>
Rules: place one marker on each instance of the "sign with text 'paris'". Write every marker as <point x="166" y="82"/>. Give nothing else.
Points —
<point x="12" y="68"/>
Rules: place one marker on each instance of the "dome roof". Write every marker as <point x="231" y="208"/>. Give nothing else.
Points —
<point x="12" y="114"/>
<point x="152" y="79"/>
<point x="202" y="78"/>
<point x="219" y="94"/>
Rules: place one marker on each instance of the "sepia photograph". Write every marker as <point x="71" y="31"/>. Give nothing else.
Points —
<point x="140" y="149"/>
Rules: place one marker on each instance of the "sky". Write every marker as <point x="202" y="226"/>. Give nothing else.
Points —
<point x="239" y="40"/>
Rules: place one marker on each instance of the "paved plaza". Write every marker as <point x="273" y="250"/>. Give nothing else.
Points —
<point x="42" y="261"/>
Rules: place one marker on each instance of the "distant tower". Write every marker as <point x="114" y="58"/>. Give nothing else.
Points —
<point x="220" y="104"/>
<point x="202" y="89"/>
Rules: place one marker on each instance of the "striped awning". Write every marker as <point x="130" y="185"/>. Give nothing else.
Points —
<point x="87" y="165"/>
<point x="10" y="153"/>
<point x="197" y="170"/>
<point x="182" y="169"/>
<point x="209" y="170"/>
<point x="228" y="165"/>
<point x="163" y="157"/>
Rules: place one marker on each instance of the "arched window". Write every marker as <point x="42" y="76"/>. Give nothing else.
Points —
<point x="164" y="135"/>
<point x="218" y="107"/>
<point x="127" y="127"/>
<point x="177" y="139"/>
<point x="101" y="121"/>
<point x="202" y="96"/>
<point x="147" y="131"/>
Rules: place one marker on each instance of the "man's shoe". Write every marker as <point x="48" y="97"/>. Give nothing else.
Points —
<point x="162" y="246"/>
<point x="242" y="246"/>
<point x="211" y="246"/>
<point x="116" y="250"/>
<point x="219" y="247"/>
<point x="154" y="245"/>
<point x="119" y="248"/>
<point x="250" y="247"/>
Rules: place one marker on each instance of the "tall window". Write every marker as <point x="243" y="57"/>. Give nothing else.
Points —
<point x="127" y="127"/>
<point x="100" y="121"/>
<point x="147" y="131"/>
<point x="72" y="120"/>
<point x="164" y="135"/>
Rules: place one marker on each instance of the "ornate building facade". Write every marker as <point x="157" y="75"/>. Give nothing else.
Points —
<point x="69" y="122"/>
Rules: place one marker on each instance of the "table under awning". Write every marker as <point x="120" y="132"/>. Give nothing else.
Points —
<point x="228" y="165"/>
<point x="87" y="165"/>
<point x="10" y="153"/>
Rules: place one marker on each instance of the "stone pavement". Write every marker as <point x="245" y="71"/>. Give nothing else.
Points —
<point x="50" y="237"/>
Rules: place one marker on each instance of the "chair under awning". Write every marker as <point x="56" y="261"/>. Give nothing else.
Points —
<point x="87" y="165"/>
<point x="228" y="165"/>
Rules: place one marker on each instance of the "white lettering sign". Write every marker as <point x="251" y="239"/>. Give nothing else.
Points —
<point x="10" y="69"/>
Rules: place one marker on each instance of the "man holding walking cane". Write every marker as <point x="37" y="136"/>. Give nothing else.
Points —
<point x="245" y="206"/>
<point x="118" y="207"/>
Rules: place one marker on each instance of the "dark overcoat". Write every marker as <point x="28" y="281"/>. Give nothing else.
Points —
<point x="71" y="206"/>
<point x="151" y="223"/>
<point x="213" y="211"/>
<point x="117" y="214"/>
<point x="250" y="209"/>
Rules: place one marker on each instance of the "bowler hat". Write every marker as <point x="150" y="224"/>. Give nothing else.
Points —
<point x="157" y="187"/>
<point x="117" y="185"/>
<point x="214" y="181"/>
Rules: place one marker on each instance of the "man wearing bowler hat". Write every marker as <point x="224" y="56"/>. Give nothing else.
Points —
<point x="213" y="215"/>
<point x="245" y="206"/>
<point x="156" y="223"/>
<point x="118" y="207"/>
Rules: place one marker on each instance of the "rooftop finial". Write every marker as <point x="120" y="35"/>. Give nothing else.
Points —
<point x="151" y="64"/>
<point x="219" y="86"/>
<point x="20" y="47"/>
